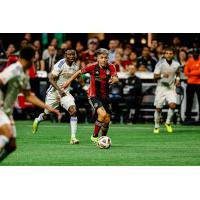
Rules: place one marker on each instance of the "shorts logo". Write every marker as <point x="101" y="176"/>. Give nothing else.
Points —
<point x="107" y="72"/>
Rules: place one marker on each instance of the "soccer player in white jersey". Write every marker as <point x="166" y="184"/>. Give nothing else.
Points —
<point x="14" y="79"/>
<point x="167" y="75"/>
<point x="60" y="73"/>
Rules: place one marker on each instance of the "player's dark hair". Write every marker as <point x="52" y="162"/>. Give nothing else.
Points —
<point x="70" y="49"/>
<point x="27" y="53"/>
<point x="169" y="49"/>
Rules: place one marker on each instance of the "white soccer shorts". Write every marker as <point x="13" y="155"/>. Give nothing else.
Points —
<point x="163" y="95"/>
<point x="53" y="100"/>
<point x="3" y="118"/>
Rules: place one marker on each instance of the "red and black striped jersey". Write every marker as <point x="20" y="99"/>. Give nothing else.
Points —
<point x="99" y="77"/>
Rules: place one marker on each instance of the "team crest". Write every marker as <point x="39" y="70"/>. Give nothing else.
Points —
<point x="107" y="72"/>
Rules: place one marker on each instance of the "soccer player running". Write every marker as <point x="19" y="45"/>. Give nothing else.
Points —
<point x="101" y="75"/>
<point x="60" y="73"/>
<point x="13" y="80"/>
<point x="167" y="75"/>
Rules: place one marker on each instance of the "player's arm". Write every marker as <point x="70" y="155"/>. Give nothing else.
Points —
<point x="114" y="77"/>
<point x="52" y="79"/>
<point x="159" y="76"/>
<point x="74" y="76"/>
<point x="30" y="97"/>
<point x="7" y="74"/>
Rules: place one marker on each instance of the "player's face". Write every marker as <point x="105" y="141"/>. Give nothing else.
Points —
<point x="169" y="55"/>
<point x="70" y="56"/>
<point x="102" y="59"/>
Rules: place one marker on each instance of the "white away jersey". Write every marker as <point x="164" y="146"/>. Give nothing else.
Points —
<point x="164" y="67"/>
<point x="14" y="80"/>
<point x="63" y="72"/>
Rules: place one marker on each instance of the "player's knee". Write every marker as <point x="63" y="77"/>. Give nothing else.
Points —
<point x="172" y="105"/>
<point x="72" y="111"/>
<point x="158" y="110"/>
<point x="107" y="120"/>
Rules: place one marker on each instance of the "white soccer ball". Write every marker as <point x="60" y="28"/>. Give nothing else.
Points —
<point x="104" y="142"/>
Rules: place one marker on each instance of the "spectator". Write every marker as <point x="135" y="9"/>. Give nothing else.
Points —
<point x="23" y="44"/>
<point x="153" y="47"/>
<point x="127" y="51"/>
<point x="68" y="44"/>
<point x="132" y="89"/>
<point x="145" y="61"/>
<point x="132" y="60"/>
<point x="52" y="59"/>
<point x="192" y="71"/>
<point x="38" y="62"/>
<point x="89" y="56"/>
<point x="54" y="42"/>
<point x="37" y="46"/>
<point x="112" y="50"/>
<point x="159" y="51"/>
<point x="10" y="50"/>
<point x="182" y="58"/>
<point x="28" y="37"/>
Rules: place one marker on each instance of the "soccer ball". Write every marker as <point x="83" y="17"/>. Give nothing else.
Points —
<point x="104" y="142"/>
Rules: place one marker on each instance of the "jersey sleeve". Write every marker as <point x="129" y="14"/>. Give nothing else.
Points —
<point x="57" y="68"/>
<point x="8" y="74"/>
<point x="113" y="71"/>
<point x="157" y="68"/>
<point x="87" y="69"/>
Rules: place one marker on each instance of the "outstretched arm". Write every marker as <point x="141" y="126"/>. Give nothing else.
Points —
<point x="74" y="76"/>
<point x="30" y="97"/>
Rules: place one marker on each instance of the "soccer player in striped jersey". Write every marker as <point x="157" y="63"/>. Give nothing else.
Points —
<point x="102" y="74"/>
<point x="60" y="73"/>
<point x="167" y="74"/>
<point x="13" y="80"/>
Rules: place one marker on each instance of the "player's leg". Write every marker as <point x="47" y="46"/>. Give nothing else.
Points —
<point x="158" y="103"/>
<point x="105" y="125"/>
<point x="51" y="100"/>
<point x="68" y="103"/>
<point x="97" y="107"/>
<point x="101" y="112"/>
<point x="106" y="122"/>
<point x="171" y="99"/>
<point x="6" y="135"/>
<point x="190" y="91"/>
<point x="73" y="123"/>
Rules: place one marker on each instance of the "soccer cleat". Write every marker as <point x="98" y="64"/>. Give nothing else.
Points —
<point x="74" y="141"/>
<point x="156" y="131"/>
<point x="169" y="128"/>
<point x="94" y="139"/>
<point x="35" y="126"/>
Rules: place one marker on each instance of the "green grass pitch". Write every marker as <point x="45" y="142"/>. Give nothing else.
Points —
<point x="132" y="145"/>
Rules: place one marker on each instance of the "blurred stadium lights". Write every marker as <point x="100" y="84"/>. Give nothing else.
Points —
<point x="143" y="41"/>
<point x="132" y="41"/>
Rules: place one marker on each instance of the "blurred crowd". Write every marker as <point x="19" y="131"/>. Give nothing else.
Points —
<point x="126" y="56"/>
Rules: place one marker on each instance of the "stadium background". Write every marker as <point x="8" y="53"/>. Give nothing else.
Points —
<point x="127" y="43"/>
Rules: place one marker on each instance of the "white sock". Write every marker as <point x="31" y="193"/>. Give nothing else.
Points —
<point x="170" y="114"/>
<point x="157" y="118"/>
<point x="41" y="117"/>
<point x="3" y="141"/>
<point x="73" y="123"/>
